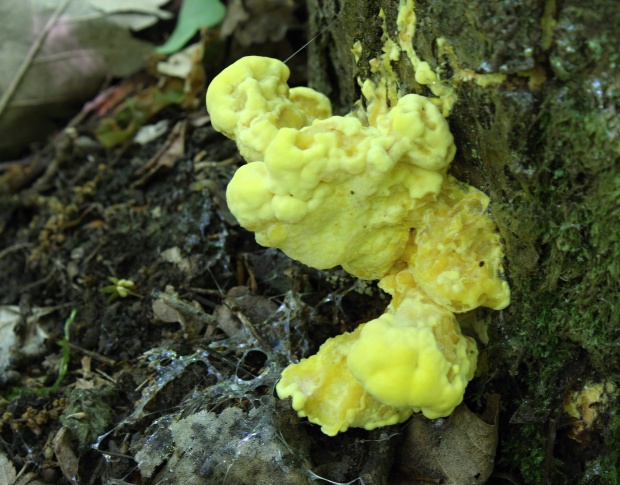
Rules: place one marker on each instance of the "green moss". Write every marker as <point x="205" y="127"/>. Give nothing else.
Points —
<point x="579" y="192"/>
<point x="605" y="469"/>
<point x="531" y="458"/>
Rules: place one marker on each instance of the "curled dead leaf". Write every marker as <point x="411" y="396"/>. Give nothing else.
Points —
<point x="65" y="454"/>
<point x="457" y="450"/>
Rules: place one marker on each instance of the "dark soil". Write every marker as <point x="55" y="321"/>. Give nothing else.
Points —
<point x="76" y="220"/>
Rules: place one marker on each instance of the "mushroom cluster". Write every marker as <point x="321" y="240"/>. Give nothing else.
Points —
<point x="371" y="194"/>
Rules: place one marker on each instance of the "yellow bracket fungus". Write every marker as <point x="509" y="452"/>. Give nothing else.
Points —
<point x="424" y="363"/>
<point x="324" y="390"/>
<point x="368" y="191"/>
<point x="250" y="101"/>
<point x="317" y="183"/>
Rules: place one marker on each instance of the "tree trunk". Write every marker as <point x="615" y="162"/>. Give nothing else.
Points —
<point x="542" y="141"/>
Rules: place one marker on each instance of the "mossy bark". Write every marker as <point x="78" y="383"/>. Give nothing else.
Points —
<point x="544" y="144"/>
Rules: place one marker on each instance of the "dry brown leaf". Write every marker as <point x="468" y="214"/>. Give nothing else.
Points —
<point x="56" y="55"/>
<point x="459" y="450"/>
<point x="65" y="454"/>
<point x="169" y="154"/>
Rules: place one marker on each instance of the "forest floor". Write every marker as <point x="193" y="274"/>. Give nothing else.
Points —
<point x="132" y="300"/>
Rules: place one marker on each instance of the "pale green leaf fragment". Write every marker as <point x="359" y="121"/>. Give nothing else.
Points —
<point x="141" y="6"/>
<point x="7" y="470"/>
<point x="135" y="15"/>
<point x="194" y="14"/>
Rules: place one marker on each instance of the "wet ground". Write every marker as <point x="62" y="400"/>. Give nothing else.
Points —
<point x="132" y="300"/>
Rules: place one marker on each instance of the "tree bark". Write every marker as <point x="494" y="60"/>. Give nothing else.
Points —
<point x="544" y="145"/>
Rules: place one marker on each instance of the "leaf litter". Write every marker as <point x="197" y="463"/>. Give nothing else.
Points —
<point x="76" y="45"/>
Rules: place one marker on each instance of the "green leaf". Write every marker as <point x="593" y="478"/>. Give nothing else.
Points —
<point x="194" y="14"/>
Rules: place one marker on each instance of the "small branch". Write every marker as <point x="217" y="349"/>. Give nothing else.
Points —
<point x="243" y="319"/>
<point x="94" y="355"/>
<point x="13" y="248"/>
